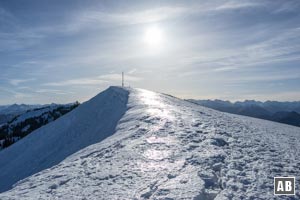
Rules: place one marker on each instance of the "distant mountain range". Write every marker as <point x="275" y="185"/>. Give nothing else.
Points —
<point x="8" y="109"/>
<point x="20" y="120"/>
<point x="8" y="112"/>
<point x="283" y="112"/>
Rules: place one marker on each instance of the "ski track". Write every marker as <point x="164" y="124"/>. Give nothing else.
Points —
<point x="166" y="148"/>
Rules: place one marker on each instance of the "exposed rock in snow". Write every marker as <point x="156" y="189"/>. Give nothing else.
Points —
<point x="162" y="148"/>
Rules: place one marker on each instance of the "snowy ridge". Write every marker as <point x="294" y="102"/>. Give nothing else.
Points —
<point x="85" y="125"/>
<point x="166" y="148"/>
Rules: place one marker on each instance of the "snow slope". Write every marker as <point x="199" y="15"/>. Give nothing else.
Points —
<point x="23" y="124"/>
<point x="167" y="148"/>
<point x="87" y="124"/>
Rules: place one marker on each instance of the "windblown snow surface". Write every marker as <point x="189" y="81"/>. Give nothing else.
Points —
<point x="162" y="148"/>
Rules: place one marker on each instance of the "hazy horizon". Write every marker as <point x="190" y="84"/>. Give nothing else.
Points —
<point x="63" y="51"/>
<point x="211" y="99"/>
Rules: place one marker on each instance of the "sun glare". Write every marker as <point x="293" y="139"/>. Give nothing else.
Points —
<point x="153" y="36"/>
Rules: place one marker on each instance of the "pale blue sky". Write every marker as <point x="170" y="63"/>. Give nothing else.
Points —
<point x="62" y="51"/>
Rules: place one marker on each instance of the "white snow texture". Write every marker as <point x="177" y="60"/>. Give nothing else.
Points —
<point x="136" y="144"/>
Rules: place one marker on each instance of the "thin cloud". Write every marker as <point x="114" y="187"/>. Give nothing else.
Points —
<point x="232" y="5"/>
<point x="117" y="77"/>
<point x="266" y="77"/>
<point x="287" y="6"/>
<point x="53" y="91"/>
<point x="283" y="47"/>
<point x="94" y="19"/>
<point x="81" y="81"/>
<point x="223" y="69"/>
<point x="7" y="19"/>
<point x="102" y="79"/>
<point x="16" y="82"/>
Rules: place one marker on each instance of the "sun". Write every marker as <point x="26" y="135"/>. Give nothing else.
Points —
<point x="153" y="36"/>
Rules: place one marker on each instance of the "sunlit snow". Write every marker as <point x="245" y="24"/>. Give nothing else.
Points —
<point x="167" y="148"/>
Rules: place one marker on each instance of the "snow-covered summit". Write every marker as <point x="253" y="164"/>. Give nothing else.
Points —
<point x="159" y="147"/>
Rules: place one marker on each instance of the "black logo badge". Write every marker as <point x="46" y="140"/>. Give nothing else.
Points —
<point x="284" y="185"/>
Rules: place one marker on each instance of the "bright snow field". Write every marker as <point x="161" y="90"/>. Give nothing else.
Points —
<point x="162" y="148"/>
